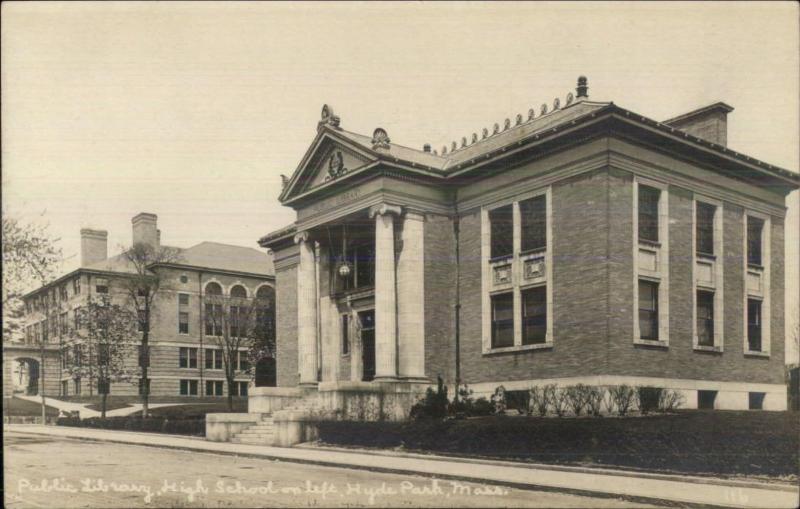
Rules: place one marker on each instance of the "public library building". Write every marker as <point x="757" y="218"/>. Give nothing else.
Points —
<point x="577" y="243"/>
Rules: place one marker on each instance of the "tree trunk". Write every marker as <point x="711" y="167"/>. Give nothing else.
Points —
<point x="145" y="382"/>
<point x="41" y="377"/>
<point x="230" y="394"/>
<point x="103" y="402"/>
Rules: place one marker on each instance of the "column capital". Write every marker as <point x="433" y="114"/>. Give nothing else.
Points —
<point x="301" y="237"/>
<point x="385" y="208"/>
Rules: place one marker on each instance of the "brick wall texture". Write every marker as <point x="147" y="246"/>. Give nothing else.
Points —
<point x="286" y="326"/>
<point x="593" y="294"/>
<point x="593" y="290"/>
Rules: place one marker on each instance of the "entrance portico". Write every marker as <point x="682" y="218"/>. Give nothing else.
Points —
<point x="362" y="267"/>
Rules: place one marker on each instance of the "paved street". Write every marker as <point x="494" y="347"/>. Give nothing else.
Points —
<point x="59" y="472"/>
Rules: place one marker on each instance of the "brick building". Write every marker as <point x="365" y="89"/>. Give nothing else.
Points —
<point x="579" y="243"/>
<point x="185" y="357"/>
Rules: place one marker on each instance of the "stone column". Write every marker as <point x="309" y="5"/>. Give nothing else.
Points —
<point x="385" y="292"/>
<point x="306" y="311"/>
<point x="411" y="297"/>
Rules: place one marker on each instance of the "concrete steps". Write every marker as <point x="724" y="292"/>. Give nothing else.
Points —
<point x="258" y="434"/>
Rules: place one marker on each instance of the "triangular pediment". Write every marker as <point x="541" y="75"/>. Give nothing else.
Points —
<point x="327" y="159"/>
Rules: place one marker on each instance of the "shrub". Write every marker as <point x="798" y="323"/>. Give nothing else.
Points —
<point x="558" y="400"/>
<point x="539" y="400"/>
<point x="481" y="407"/>
<point x="670" y="400"/>
<point x="433" y="405"/>
<point x="648" y="399"/>
<point x="576" y="397"/>
<point x="594" y="400"/>
<point x="131" y="423"/>
<point x="622" y="397"/>
<point x="466" y="406"/>
<point x="499" y="400"/>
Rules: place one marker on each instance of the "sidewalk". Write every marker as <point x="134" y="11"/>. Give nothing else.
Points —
<point x="633" y="485"/>
<point x="87" y="412"/>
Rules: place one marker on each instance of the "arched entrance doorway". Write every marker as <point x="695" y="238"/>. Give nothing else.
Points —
<point x="26" y="376"/>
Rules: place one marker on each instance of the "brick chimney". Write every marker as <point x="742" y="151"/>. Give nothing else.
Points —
<point x="145" y="229"/>
<point x="709" y="122"/>
<point x="94" y="246"/>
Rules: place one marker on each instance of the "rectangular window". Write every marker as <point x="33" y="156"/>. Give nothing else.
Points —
<point x="756" y="400"/>
<point x="502" y="320"/>
<point x="187" y="357"/>
<point x="213" y="319"/>
<point x="188" y="387"/>
<point x="345" y="334"/>
<point x="78" y="386"/>
<point x="704" y="228"/>
<point x="234" y="321"/>
<point x="183" y="299"/>
<point x="648" y="310"/>
<point x="183" y="322"/>
<point x="754" y="325"/>
<point x="64" y="323"/>
<point x="76" y="286"/>
<point x="242" y="388"/>
<point x="214" y="388"/>
<point x="502" y="231"/>
<point x="533" y="217"/>
<point x="648" y="213"/>
<point x="213" y="359"/>
<point x="705" y="318"/>
<point x="101" y="286"/>
<point x="534" y="315"/>
<point x="706" y="399"/>
<point x="754" y="230"/>
<point x="244" y="362"/>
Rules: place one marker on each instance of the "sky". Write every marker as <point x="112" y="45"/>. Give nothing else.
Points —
<point x="192" y="111"/>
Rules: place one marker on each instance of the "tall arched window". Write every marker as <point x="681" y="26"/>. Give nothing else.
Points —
<point x="213" y="289"/>
<point x="238" y="292"/>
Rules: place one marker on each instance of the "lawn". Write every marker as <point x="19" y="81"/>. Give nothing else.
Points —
<point x="719" y="443"/>
<point x="111" y="405"/>
<point x="22" y="407"/>
<point x="195" y="411"/>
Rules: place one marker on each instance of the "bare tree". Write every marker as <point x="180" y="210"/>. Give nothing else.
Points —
<point x="141" y="288"/>
<point x="101" y="345"/>
<point x="241" y="328"/>
<point x="30" y="256"/>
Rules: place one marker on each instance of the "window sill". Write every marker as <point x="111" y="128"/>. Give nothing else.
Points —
<point x="706" y="348"/>
<point x="706" y="256"/>
<point x="651" y="342"/>
<point x="750" y="353"/>
<point x="533" y="253"/>
<point x="500" y="259"/>
<point x="755" y="266"/>
<point x="519" y="348"/>
<point x="649" y="243"/>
